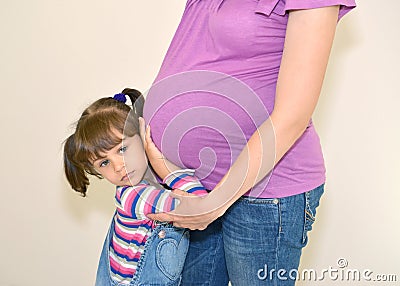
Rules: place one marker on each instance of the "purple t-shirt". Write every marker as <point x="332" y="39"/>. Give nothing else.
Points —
<point x="217" y="84"/>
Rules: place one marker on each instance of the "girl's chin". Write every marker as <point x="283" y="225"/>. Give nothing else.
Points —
<point x="131" y="182"/>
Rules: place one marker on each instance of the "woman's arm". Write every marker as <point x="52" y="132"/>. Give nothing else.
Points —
<point x="308" y="42"/>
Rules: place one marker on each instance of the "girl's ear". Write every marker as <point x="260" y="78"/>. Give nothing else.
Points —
<point x="142" y="129"/>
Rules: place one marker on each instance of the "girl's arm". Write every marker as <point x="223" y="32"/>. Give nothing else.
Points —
<point x="308" y="42"/>
<point x="136" y="202"/>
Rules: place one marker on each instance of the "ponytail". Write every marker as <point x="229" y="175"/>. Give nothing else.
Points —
<point x="132" y="93"/>
<point x="74" y="172"/>
<point x="137" y="100"/>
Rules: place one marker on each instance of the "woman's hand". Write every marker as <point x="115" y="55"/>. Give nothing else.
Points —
<point x="193" y="212"/>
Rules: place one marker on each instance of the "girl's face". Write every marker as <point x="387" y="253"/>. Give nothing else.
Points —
<point x="125" y="164"/>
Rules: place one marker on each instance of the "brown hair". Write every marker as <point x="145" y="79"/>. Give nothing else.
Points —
<point x="97" y="131"/>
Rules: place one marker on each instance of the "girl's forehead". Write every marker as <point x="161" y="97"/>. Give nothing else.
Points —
<point x="124" y="139"/>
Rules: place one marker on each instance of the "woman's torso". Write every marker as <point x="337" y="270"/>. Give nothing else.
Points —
<point x="202" y="119"/>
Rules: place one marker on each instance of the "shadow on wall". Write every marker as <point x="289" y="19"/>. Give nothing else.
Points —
<point x="347" y="39"/>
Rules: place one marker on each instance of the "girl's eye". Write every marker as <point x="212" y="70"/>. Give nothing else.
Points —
<point x="104" y="163"/>
<point x="122" y="149"/>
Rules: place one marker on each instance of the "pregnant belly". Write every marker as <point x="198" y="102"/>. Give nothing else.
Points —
<point x="203" y="125"/>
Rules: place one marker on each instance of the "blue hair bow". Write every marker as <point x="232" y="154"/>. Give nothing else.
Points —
<point x="120" y="97"/>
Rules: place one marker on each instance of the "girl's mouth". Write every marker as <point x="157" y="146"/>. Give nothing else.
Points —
<point x="126" y="177"/>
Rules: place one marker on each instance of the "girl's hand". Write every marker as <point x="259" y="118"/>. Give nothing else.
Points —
<point x="153" y="153"/>
<point x="193" y="212"/>
<point x="160" y="164"/>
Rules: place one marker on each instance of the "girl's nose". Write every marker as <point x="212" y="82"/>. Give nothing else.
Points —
<point x="119" y="166"/>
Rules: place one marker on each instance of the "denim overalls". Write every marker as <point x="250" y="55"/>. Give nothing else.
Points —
<point x="161" y="263"/>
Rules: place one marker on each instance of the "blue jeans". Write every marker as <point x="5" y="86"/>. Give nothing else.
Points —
<point x="160" y="264"/>
<point x="256" y="242"/>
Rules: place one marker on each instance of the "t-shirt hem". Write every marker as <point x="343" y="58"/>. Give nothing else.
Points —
<point x="287" y="191"/>
<point x="345" y="6"/>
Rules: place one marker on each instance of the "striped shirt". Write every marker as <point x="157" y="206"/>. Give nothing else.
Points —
<point x="131" y="226"/>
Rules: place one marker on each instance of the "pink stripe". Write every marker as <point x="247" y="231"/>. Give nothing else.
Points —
<point x="129" y="236"/>
<point x="129" y="201"/>
<point x="122" y="251"/>
<point x="129" y="252"/>
<point x="150" y="201"/>
<point x="121" y="233"/>
<point x="120" y="269"/>
<point x="168" y="204"/>
<point x="182" y="182"/>
<point x="136" y="222"/>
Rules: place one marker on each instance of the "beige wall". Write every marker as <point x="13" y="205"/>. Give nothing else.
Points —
<point x="58" y="56"/>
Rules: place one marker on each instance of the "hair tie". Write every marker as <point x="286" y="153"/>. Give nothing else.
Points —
<point x="120" y="97"/>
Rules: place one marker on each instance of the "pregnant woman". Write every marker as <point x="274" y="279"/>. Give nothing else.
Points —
<point x="234" y="99"/>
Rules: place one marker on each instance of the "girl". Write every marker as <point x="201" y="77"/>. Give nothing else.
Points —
<point x="107" y="144"/>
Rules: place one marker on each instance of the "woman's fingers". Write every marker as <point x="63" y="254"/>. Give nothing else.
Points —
<point x="192" y="212"/>
<point x="190" y="226"/>
<point x="161" y="217"/>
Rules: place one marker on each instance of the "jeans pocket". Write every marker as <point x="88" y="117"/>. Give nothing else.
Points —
<point x="311" y="202"/>
<point x="171" y="254"/>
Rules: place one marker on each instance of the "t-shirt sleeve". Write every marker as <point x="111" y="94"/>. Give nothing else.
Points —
<point x="135" y="202"/>
<point x="281" y="7"/>
<point x="186" y="181"/>
<point x="345" y="5"/>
